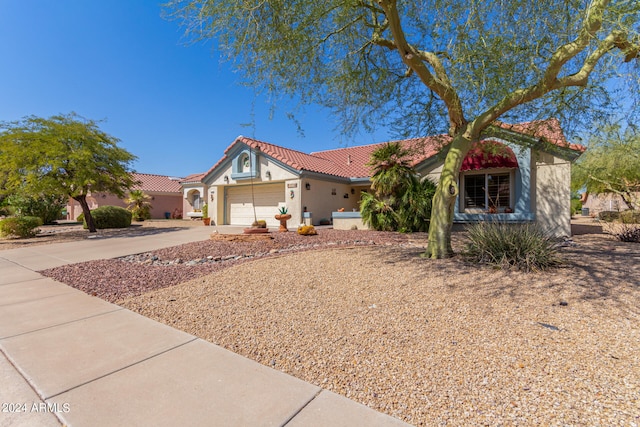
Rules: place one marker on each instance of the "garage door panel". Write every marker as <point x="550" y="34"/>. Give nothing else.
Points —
<point x="266" y="198"/>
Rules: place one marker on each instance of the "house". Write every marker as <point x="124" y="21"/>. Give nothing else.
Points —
<point x="165" y="193"/>
<point x="529" y="180"/>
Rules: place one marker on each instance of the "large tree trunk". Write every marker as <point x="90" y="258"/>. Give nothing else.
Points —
<point x="444" y="199"/>
<point x="82" y="199"/>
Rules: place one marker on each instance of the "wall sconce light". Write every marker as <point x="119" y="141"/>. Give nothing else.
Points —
<point x="353" y="191"/>
<point x="307" y="186"/>
<point x="226" y="179"/>
<point x="211" y="197"/>
<point x="153" y="197"/>
<point x="268" y="175"/>
<point x="333" y="191"/>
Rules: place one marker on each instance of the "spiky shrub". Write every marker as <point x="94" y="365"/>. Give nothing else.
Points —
<point x="630" y="217"/>
<point x="109" y="217"/>
<point x="22" y="226"/>
<point x="628" y="233"/>
<point x="522" y="246"/>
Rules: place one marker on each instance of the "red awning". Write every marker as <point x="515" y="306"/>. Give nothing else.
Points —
<point x="489" y="155"/>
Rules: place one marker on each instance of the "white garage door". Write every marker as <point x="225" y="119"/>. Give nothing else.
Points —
<point x="267" y="197"/>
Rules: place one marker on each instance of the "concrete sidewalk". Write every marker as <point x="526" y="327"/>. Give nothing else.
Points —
<point x="74" y="359"/>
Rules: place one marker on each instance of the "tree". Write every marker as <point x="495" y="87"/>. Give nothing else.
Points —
<point x="611" y="165"/>
<point x="47" y="207"/>
<point x="63" y="155"/>
<point x="420" y="66"/>
<point x="139" y="205"/>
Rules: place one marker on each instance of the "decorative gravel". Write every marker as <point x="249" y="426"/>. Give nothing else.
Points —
<point x="429" y="342"/>
<point x="116" y="279"/>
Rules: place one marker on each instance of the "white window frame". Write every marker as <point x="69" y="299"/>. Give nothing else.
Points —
<point x="486" y="173"/>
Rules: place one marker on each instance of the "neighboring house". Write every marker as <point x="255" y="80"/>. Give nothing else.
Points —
<point x="165" y="193"/>
<point x="525" y="184"/>
<point x="597" y="203"/>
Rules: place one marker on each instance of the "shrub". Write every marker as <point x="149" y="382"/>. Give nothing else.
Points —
<point x="23" y="226"/>
<point x="630" y="217"/>
<point x="523" y="246"/>
<point x="307" y="230"/>
<point x="109" y="217"/>
<point x="628" y="233"/>
<point x="576" y="207"/>
<point x="47" y="207"/>
<point x="609" y="216"/>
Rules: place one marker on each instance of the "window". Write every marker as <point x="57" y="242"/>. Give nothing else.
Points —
<point x="196" y="201"/>
<point x="487" y="190"/>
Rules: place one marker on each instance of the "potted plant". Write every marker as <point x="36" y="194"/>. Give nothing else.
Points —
<point x="205" y="214"/>
<point x="283" y="216"/>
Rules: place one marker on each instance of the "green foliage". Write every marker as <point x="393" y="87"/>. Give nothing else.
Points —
<point x="630" y="217"/>
<point x="109" y="217"/>
<point x="611" y="164"/>
<point x="20" y="226"/>
<point x="205" y="211"/>
<point x="139" y="205"/>
<point x="432" y="66"/>
<point x="47" y="207"/>
<point x="576" y="207"/>
<point x="64" y="155"/>
<point x="283" y="210"/>
<point x="608" y="216"/>
<point x="401" y="202"/>
<point x="522" y="246"/>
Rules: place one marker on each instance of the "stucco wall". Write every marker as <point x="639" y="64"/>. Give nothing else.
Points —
<point x="551" y="200"/>
<point x="160" y="204"/>
<point x="321" y="201"/>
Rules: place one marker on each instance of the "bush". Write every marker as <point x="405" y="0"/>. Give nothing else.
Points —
<point x="46" y="207"/>
<point x="523" y="246"/>
<point x="628" y="233"/>
<point x="23" y="226"/>
<point x="609" y="216"/>
<point x="109" y="217"/>
<point x="576" y="207"/>
<point x="630" y="217"/>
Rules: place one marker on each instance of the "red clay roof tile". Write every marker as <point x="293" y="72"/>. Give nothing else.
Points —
<point x="351" y="162"/>
<point x="157" y="183"/>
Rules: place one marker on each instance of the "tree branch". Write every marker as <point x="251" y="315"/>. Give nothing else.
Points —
<point x="417" y="60"/>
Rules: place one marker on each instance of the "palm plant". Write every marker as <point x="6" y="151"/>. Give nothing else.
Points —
<point x="391" y="168"/>
<point x="401" y="202"/>
<point x="139" y="205"/>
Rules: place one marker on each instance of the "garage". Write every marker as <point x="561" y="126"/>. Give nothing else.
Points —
<point x="239" y="203"/>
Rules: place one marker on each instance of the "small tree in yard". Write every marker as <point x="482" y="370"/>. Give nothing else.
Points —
<point x="401" y="202"/>
<point x="139" y="205"/>
<point x="63" y="155"/>
<point x="611" y="165"/>
<point x="431" y="65"/>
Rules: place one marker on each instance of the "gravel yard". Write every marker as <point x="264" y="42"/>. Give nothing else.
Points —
<point x="429" y="342"/>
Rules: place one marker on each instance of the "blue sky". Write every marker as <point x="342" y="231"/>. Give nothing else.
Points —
<point x="174" y="106"/>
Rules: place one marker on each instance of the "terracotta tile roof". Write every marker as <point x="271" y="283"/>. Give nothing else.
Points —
<point x="351" y="162"/>
<point x="157" y="183"/>
<point x="550" y="130"/>
<point x="194" y="177"/>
